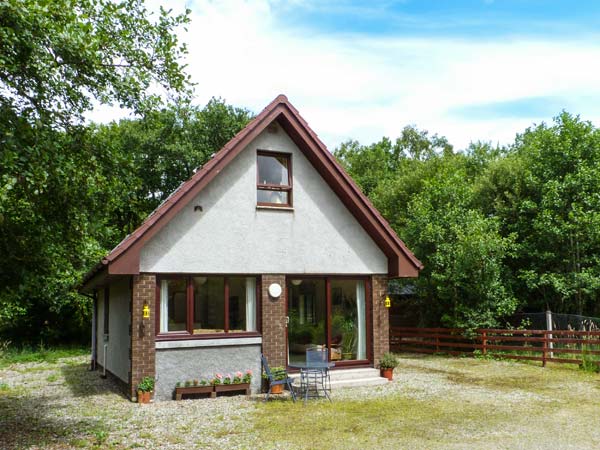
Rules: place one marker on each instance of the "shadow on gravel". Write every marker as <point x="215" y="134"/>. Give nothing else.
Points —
<point x="83" y="382"/>
<point x="31" y="420"/>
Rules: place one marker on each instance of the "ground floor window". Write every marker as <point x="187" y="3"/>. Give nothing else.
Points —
<point x="201" y="305"/>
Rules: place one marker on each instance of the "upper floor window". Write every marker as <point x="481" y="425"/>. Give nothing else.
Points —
<point x="274" y="179"/>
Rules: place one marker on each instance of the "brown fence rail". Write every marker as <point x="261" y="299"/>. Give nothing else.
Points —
<point x="560" y="346"/>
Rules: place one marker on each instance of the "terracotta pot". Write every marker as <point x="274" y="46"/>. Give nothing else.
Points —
<point x="387" y="373"/>
<point x="143" y="397"/>
<point x="277" y="389"/>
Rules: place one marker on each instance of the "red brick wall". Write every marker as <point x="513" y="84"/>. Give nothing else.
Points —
<point x="381" y="319"/>
<point x="273" y="321"/>
<point x="142" y="330"/>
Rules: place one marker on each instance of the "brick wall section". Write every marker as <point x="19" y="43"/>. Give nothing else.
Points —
<point x="381" y="319"/>
<point x="273" y="321"/>
<point x="142" y="331"/>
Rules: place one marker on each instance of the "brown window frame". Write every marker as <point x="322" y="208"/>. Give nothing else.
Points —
<point x="275" y="187"/>
<point x="189" y="332"/>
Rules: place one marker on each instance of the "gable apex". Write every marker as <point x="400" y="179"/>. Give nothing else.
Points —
<point x="125" y="257"/>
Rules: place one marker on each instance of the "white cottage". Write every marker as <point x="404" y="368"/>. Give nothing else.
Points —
<point x="270" y="247"/>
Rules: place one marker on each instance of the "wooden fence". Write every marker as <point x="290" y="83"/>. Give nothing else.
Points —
<point x="560" y="346"/>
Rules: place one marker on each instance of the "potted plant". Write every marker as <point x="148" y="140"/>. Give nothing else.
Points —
<point x="348" y="341"/>
<point x="278" y="373"/>
<point x="145" y="389"/>
<point x="387" y="364"/>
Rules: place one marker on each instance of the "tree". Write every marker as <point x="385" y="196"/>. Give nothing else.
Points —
<point x="546" y="192"/>
<point x="428" y="194"/>
<point x="56" y="59"/>
<point x="162" y="150"/>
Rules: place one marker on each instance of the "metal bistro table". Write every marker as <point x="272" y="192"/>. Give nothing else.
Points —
<point x="312" y="378"/>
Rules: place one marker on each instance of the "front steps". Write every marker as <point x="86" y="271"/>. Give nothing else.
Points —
<point x="351" y="378"/>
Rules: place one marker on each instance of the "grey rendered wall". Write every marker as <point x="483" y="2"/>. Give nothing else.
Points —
<point x="180" y="364"/>
<point x="231" y="235"/>
<point x="117" y="352"/>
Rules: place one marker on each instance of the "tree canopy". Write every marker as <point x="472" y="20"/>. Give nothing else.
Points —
<point x="498" y="229"/>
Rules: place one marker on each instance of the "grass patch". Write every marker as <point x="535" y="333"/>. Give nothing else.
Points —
<point x="13" y="355"/>
<point x="376" y="423"/>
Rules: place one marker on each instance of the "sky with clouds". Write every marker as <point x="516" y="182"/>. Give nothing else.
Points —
<point x="465" y="69"/>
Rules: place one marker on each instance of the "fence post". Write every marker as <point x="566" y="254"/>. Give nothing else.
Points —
<point x="545" y="349"/>
<point x="484" y="342"/>
<point x="549" y="328"/>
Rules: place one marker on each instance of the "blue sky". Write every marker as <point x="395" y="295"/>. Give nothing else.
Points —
<point x="466" y="69"/>
<point x="454" y="18"/>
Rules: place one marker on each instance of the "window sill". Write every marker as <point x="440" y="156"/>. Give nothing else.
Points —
<point x="275" y="208"/>
<point x="212" y="342"/>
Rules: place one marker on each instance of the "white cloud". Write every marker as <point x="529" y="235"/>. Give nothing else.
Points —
<point x="355" y="86"/>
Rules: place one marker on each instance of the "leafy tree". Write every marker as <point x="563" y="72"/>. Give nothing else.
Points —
<point x="162" y="150"/>
<point x="56" y="59"/>
<point x="546" y="192"/>
<point x="428" y="194"/>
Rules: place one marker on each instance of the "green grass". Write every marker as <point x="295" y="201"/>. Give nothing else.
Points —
<point x="22" y="355"/>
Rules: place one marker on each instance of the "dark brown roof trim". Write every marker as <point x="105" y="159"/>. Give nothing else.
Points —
<point x="125" y="257"/>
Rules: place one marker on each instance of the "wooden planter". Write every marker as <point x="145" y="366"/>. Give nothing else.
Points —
<point x="387" y="373"/>
<point x="181" y="391"/>
<point x="245" y="387"/>
<point x="212" y="390"/>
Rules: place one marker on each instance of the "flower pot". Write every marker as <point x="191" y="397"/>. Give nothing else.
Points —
<point x="143" y="397"/>
<point x="277" y="389"/>
<point x="347" y="355"/>
<point x="387" y="373"/>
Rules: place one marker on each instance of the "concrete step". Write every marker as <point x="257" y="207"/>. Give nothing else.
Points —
<point x="352" y="374"/>
<point x="351" y="378"/>
<point x="358" y="382"/>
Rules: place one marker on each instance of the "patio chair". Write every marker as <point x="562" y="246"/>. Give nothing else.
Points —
<point x="319" y="355"/>
<point x="271" y="376"/>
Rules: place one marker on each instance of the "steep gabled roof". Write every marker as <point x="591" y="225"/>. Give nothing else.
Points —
<point x="125" y="257"/>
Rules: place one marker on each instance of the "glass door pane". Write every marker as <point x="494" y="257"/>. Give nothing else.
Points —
<point x="348" y="322"/>
<point x="307" y="310"/>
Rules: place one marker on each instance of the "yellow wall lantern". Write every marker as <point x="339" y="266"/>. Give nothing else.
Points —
<point x="388" y="302"/>
<point x="146" y="312"/>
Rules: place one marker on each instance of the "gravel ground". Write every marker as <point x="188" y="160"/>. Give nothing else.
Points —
<point x="62" y="405"/>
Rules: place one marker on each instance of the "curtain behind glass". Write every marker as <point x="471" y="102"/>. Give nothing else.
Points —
<point x="164" y="306"/>
<point x="250" y="304"/>
<point x="361" y="345"/>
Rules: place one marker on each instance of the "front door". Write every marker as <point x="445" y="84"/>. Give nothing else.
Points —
<point x="329" y="312"/>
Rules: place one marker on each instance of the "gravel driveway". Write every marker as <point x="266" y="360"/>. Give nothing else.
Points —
<point x="434" y="402"/>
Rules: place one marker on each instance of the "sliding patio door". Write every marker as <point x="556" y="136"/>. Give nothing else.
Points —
<point x="307" y="312"/>
<point x="329" y="312"/>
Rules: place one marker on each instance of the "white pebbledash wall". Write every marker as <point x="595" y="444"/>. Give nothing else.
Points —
<point x="232" y="235"/>
<point x="117" y="355"/>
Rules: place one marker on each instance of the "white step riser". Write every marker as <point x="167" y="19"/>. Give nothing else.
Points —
<point x="359" y="383"/>
<point x="351" y="378"/>
<point x="351" y="374"/>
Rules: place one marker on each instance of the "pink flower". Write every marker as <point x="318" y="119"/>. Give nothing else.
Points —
<point x="219" y="376"/>
<point x="248" y="372"/>
<point x="238" y="374"/>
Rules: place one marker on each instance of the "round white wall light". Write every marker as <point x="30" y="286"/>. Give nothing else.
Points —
<point x="275" y="290"/>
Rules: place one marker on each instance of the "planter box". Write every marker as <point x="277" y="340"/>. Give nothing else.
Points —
<point x="212" y="390"/>
<point x="180" y="391"/>
<point x="242" y="387"/>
